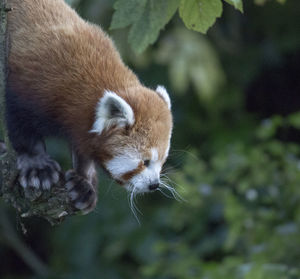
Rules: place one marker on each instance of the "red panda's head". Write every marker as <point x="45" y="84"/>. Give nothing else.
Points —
<point x="134" y="129"/>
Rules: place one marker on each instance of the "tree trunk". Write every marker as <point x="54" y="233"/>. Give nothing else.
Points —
<point x="52" y="205"/>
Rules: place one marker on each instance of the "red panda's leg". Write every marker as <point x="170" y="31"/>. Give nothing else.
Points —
<point x="81" y="183"/>
<point x="36" y="168"/>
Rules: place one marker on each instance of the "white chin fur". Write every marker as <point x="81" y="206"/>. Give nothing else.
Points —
<point x="137" y="190"/>
<point x="129" y="161"/>
<point x="140" y="183"/>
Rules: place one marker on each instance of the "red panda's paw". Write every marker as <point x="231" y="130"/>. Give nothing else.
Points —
<point x="37" y="172"/>
<point x="81" y="192"/>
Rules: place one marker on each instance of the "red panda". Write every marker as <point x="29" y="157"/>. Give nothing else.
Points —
<point x="67" y="79"/>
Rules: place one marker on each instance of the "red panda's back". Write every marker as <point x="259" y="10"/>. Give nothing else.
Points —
<point x="38" y="32"/>
<point x="59" y="61"/>
<point x="33" y="13"/>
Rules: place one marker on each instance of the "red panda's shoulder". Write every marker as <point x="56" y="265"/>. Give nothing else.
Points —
<point x="30" y="13"/>
<point x="61" y="62"/>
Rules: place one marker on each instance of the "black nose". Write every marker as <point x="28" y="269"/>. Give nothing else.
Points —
<point x="153" y="187"/>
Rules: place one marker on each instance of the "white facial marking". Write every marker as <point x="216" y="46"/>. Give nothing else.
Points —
<point x="154" y="154"/>
<point x="168" y="146"/>
<point x="167" y="151"/>
<point x="112" y="110"/>
<point x="161" y="90"/>
<point x="150" y="175"/>
<point x="122" y="164"/>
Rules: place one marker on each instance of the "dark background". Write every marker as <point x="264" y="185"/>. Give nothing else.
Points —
<point x="234" y="160"/>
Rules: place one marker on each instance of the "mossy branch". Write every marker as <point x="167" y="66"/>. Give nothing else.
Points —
<point x="51" y="205"/>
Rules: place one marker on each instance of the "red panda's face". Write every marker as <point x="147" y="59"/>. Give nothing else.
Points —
<point x="138" y="144"/>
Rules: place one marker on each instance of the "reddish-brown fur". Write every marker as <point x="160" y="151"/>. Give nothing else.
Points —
<point x="127" y="176"/>
<point x="64" y="64"/>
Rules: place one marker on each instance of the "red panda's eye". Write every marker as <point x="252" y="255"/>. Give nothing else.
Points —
<point x="146" y="163"/>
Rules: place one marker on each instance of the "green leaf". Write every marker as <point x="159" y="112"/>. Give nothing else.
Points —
<point x="238" y="4"/>
<point x="127" y="12"/>
<point x="146" y="17"/>
<point x="199" y="15"/>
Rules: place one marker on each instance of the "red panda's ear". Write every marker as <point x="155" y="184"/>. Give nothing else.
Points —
<point x="162" y="92"/>
<point x="112" y="110"/>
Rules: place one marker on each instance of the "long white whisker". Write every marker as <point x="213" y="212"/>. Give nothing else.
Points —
<point x="170" y="180"/>
<point x="134" y="202"/>
<point x="174" y="193"/>
<point x="132" y="205"/>
<point x="165" y="194"/>
<point x="169" y="169"/>
<point x="189" y="153"/>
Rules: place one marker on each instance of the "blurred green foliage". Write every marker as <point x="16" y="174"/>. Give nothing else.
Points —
<point x="238" y="172"/>
<point x="147" y="18"/>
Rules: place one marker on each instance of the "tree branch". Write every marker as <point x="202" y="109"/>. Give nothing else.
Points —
<point x="51" y="205"/>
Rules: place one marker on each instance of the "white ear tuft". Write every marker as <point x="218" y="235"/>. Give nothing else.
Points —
<point x="162" y="92"/>
<point x="112" y="110"/>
